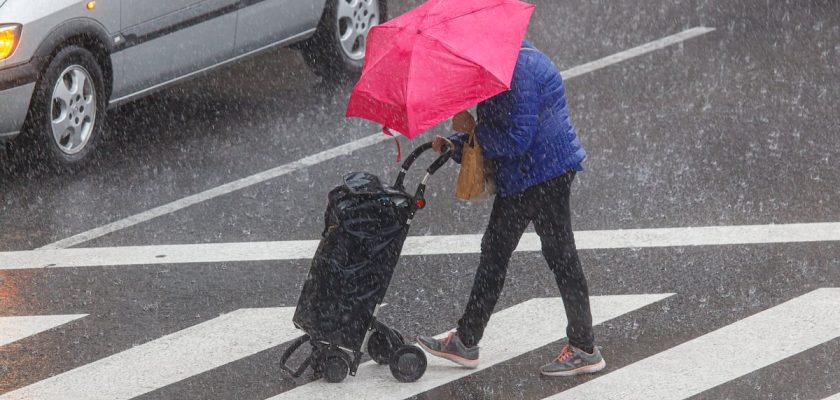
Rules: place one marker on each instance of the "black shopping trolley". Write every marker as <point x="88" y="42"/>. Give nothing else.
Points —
<point x="366" y="224"/>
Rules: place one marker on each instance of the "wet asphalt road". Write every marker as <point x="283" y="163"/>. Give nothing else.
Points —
<point x="735" y="127"/>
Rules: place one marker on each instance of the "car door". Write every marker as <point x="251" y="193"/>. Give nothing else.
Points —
<point x="264" y="22"/>
<point x="136" y="12"/>
<point x="164" y="40"/>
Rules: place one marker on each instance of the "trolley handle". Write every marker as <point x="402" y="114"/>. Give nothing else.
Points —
<point x="447" y="154"/>
<point x="399" y="184"/>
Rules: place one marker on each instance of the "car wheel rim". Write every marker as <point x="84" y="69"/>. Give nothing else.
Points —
<point x="355" y="18"/>
<point x="73" y="109"/>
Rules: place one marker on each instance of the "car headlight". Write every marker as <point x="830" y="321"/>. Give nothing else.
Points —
<point x="9" y="36"/>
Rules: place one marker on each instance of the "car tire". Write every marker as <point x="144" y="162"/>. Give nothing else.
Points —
<point x="67" y="111"/>
<point x="336" y="51"/>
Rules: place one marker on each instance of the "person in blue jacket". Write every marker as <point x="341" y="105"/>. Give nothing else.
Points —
<point x="528" y="135"/>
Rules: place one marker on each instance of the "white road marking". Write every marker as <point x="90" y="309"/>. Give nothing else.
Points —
<point x="723" y="355"/>
<point x="636" y="51"/>
<point x="169" y="359"/>
<point x="417" y="245"/>
<point x="13" y="329"/>
<point x="340" y="150"/>
<point x="511" y="332"/>
<point x="835" y="397"/>
<point x="218" y="191"/>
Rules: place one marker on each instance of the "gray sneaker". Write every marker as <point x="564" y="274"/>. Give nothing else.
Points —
<point x="573" y="361"/>
<point x="451" y="348"/>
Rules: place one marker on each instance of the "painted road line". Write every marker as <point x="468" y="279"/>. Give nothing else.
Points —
<point x="835" y="397"/>
<point x="170" y="254"/>
<point x="511" y="332"/>
<point x="637" y="51"/>
<point x="13" y="329"/>
<point x="219" y="191"/>
<point x="723" y="355"/>
<point x="169" y="359"/>
<point x="340" y="150"/>
<point x="417" y="245"/>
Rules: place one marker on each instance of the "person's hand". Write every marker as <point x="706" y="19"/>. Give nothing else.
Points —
<point x="463" y="122"/>
<point x="440" y="142"/>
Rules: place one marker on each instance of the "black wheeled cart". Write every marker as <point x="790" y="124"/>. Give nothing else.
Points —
<point x="366" y="224"/>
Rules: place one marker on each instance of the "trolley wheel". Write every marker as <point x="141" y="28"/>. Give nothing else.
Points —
<point x="408" y="363"/>
<point x="335" y="367"/>
<point x="380" y="348"/>
<point x="399" y="335"/>
<point x="317" y="369"/>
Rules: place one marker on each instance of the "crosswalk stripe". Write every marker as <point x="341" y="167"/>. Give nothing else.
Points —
<point x="416" y="245"/>
<point x="512" y="332"/>
<point x="723" y="355"/>
<point x="168" y="359"/>
<point x="15" y="328"/>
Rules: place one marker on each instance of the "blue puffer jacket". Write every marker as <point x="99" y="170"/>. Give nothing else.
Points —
<point x="526" y="131"/>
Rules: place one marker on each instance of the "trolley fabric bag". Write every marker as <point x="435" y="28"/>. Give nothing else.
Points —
<point x="365" y="226"/>
<point x="364" y="233"/>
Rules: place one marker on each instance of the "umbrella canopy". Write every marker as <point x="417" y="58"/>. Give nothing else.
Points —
<point x="438" y="59"/>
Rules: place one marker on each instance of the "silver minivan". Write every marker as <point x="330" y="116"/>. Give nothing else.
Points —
<point x="64" y="62"/>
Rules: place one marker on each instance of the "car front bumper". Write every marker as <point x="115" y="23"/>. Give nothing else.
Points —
<point x="16" y="87"/>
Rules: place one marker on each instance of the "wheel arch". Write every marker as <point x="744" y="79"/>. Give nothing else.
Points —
<point x="316" y="49"/>
<point x="383" y="8"/>
<point x="82" y="32"/>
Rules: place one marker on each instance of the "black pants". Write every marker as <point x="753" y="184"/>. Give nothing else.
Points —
<point x="547" y="205"/>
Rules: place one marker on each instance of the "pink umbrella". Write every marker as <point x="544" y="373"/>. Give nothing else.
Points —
<point x="438" y="59"/>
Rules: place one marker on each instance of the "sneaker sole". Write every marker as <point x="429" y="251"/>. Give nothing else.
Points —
<point x="471" y="364"/>
<point x="587" y="369"/>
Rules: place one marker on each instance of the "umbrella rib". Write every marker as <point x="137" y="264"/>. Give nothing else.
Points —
<point x="393" y="44"/>
<point x="422" y="21"/>
<point x="462" y="15"/>
<point x="450" y="48"/>
<point x="379" y="61"/>
<point x="408" y="87"/>
<point x="458" y="54"/>
<point x="376" y="64"/>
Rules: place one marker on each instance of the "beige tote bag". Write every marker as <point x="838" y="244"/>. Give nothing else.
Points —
<point x="474" y="184"/>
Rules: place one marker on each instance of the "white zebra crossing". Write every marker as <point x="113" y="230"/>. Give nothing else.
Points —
<point x="169" y="359"/>
<point x="13" y="329"/>
<point x="416" y="245"/>
<point x="723" y="355"/>
<point x="677" y="373"/>
<point x="512" y="332"/>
